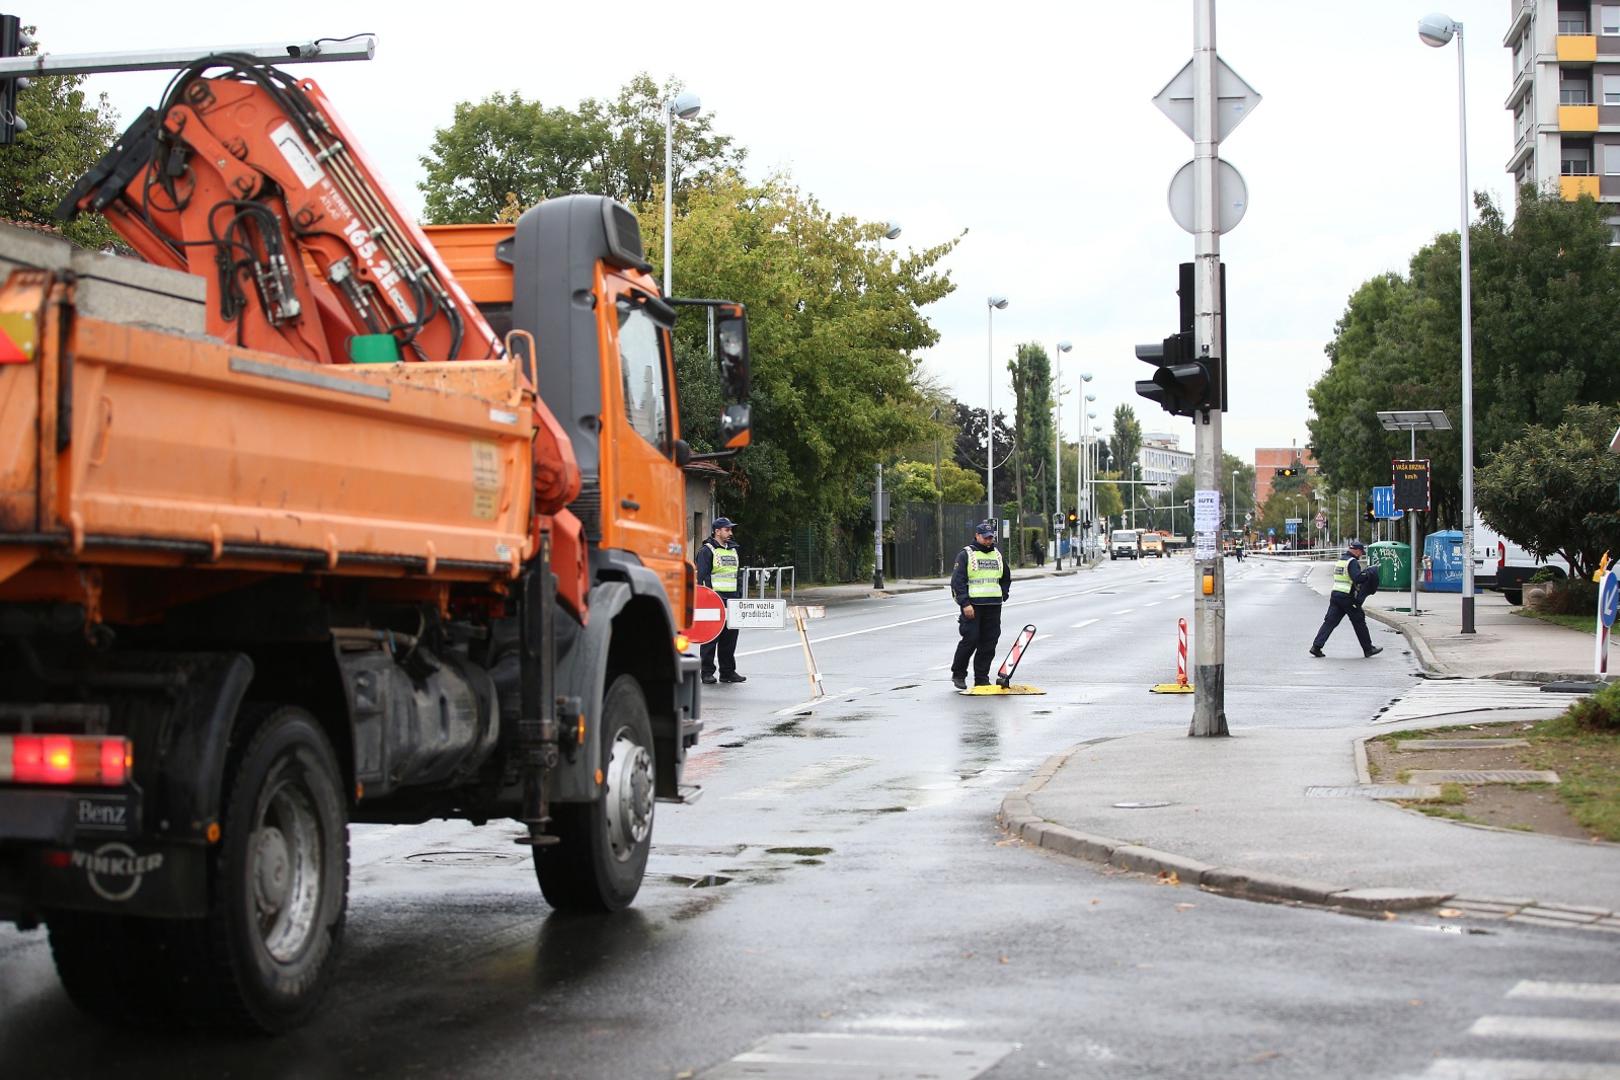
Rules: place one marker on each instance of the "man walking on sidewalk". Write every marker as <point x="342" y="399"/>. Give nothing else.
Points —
<point x="719" y="566"/>
<point x="980" y="583"/>
<point x="1350" y="587"/>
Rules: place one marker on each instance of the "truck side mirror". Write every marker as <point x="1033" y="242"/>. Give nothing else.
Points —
<point x="731" y="349"/>
<point x="735" y="425"/>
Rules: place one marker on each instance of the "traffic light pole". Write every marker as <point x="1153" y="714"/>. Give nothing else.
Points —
<point x="1209" y="582"/>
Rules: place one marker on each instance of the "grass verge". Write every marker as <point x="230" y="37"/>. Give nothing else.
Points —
<point x="1588" y="764"/>
<point x="1584" y="623"/>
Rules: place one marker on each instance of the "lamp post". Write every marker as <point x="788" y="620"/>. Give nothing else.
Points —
<point x="1095" y="466"/>
<point x="1136" y="469"/>
<point x="1057" y="445"/>
<point x="1437" y="31"/>
<point x="686" y="106"/>
<point x="1234" y="500"/>
<point x="992" y="304"/>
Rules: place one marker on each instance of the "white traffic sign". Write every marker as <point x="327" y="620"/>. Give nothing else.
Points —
<point x="1206" y="511"/>
<point x="708" y="616"/>
<point x="1234" y="99"/>
<point x="1232" y="199"/>
<point x="756" y="614"/>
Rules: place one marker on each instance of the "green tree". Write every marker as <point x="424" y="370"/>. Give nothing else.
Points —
<point x="836" y="327"/>
<point x="1031" y="372"/>
<point x="1110" y="503"/>
<point x="507" y="152"/>
<point x="66" y="134"/>
<point x="914" y="482"/>
<point x="1544" y="292"/>
<point x="1126" y="444"/>
<point x="1554" y="489"/>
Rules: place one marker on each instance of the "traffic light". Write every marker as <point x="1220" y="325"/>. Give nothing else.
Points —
<point x="1288" y="470"/>
<point x="1181" y="386"/>
<point x="1370" y="515"/>
<point x="12" y="42"/>
<point x="1073" y="518"/>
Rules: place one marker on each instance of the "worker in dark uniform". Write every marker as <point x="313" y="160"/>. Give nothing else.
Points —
<point x="1350" y="588"/>
<point x="719" y="566"/>
<point x="979" y="584"/>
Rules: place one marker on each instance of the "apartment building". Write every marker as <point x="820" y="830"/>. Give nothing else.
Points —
<point x="1268" y="459"/>
<point x="1163" y="461"/>
<point x="1565" y="99"/>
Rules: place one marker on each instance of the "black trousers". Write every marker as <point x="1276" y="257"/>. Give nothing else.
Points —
<point x="725" y="645"/>
<point x="979" y="637"/>
<point x="1340" y="605"/>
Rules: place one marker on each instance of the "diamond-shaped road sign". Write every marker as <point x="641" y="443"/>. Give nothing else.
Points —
<point x="1234" y="99"/>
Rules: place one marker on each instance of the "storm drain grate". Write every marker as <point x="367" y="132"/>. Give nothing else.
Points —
<point x="1484" y="776"/>
<point x="1375" y="791"/>
<point x="860" y="1057"/>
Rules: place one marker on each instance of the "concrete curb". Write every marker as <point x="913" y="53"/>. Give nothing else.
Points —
<point x="1019" y="818"/>
<point x="1425" y="654"/>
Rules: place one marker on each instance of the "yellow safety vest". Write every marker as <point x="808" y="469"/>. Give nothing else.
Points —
<point x="1341" y="576"/>
<point x="723" y="573"/>
<point x="983" y="574"/>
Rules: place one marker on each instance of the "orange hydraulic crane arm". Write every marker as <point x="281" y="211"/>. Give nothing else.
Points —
<point x="250" y="179"/>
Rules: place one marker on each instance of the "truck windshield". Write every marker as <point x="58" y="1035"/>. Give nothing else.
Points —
<point x="1124" y="536"/>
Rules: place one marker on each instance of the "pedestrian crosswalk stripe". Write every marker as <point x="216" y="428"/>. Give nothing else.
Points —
<point x="1608" y="993"/>
<point x="1439" y="697"/>
<point x="1518" y="1069"/>
<point x="1547" y="1027"/>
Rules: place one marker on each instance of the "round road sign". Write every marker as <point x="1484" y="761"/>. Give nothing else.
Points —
<point x="1609" y="598"/>
<point x="708" y="616"/>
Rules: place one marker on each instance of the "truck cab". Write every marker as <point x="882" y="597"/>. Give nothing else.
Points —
<point x="1125" y="544"/>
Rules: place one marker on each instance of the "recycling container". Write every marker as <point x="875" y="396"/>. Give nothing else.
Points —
<point x="1442" y="562"/>
<point x="1394" y="562"/>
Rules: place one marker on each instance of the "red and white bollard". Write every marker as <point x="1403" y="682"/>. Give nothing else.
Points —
<point x="1181" y="652"/>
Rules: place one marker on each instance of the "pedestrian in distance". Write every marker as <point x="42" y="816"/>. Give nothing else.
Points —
<point x="980" y="583"/>
<point x="1352" y="584"/>
<point x="719" y="566"/>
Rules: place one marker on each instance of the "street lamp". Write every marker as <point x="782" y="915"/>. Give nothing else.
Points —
<point x="686" y="106"/>
<point x="1234" y="500"/>
<point x="1057" y="445"/>
<point x="1437" y="31"/>
<point x="891" y="230"/>
<point x="992" y="304"/>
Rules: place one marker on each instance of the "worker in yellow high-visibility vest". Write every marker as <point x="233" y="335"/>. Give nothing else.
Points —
<point x="719" y="566"/>
<point x="980" y="583"/>
<point x="1352" y="583"/>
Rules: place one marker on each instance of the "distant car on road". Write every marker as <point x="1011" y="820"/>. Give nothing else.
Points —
<point x="1152" y="544"/>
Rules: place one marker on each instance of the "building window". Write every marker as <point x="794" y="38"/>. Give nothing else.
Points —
<point x="1574" y="91"/>
<point x="1575" y="161"/>
<point x="1611" y="159"/>
<point x="1572" y="22"/>
<point x="1611" y="89"/>
<point x="1609" y="19"/>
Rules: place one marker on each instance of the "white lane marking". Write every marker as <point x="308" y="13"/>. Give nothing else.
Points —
<point x="1155" y="603"/>
<point x="846" y="695"/>
<point x="1082" y="624"/>
<point x="1517" y="1069"/>
<point x="1605" y="992"/>
<point x="940" y="667"/>
<point x="1042" y="637"/>
<point x="821" y="774"/>
<point x="906" y="622"/>
<point x="1122" y="611"/>
<point x="1547" y="1027"/>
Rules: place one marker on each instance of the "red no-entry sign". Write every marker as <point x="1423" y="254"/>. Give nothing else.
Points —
<point x="708" y="616"/>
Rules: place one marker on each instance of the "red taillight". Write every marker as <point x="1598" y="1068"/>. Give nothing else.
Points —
<point x="100" y="760"/>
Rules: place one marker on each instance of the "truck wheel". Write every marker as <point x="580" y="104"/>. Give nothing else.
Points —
<point x="1514" y="596"/>
<point x="279" y="886"/>
<point x="602" y="853"/>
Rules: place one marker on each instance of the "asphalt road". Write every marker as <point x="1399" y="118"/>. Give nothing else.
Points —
<point x="843" y="877"/>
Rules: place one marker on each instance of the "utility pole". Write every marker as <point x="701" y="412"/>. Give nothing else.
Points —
<point x="877" y="531"/>
<point x="1209" y="585"/>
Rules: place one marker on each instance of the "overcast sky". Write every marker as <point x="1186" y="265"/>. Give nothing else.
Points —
<point x="1030" y="125"/>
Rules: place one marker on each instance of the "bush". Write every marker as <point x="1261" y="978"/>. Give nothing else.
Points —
<point x="1600" y="712"/>
<point x="1545" y="574"/>
<point x="1570" y="596"/>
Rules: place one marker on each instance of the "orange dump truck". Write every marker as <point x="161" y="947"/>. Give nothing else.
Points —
<point x="253" y="589"/>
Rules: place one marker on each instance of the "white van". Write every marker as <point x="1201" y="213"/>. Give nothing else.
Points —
<point x="1504" y="566"/>
<point x="1125" y="543"/>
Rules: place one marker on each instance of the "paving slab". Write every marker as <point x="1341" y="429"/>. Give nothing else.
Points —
<point x="1483" y="776"/>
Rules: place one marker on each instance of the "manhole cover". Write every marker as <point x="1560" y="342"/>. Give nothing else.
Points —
<point x="1143" y="805"/>
<point x="465" y="858"/>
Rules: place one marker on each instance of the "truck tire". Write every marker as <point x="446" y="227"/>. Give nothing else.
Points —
<point x="279" y="885"/>
<point x="1514" y="596"/>
<point x="600" y="858"/>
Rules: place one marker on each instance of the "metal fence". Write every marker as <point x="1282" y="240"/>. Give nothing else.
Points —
<point x="925" y="538"/>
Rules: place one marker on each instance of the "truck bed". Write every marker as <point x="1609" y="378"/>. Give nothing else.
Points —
<point x="122" y="443"/>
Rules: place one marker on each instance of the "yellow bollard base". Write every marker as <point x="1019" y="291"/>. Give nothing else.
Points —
<point x="999" y="691"/>
<point x="1171" y="688"/>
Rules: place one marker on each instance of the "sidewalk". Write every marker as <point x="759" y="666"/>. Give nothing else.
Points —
<point x="834" y="594"/>
<point x="1280" y="814"/>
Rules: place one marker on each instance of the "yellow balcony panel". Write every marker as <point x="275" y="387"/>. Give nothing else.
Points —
<point x="1577" y="48"/>
<point x="1577" y="118"/>
<point x="1573" y="187"/>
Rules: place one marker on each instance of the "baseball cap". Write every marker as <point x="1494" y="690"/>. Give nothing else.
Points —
<point x="1357" y="544"/>
<point x="724" y="523"/>
<point x="985" y="528"/>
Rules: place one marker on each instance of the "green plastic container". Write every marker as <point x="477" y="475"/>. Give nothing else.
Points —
<point x="374" y="349"/>
<point x="1394" y="562"/>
